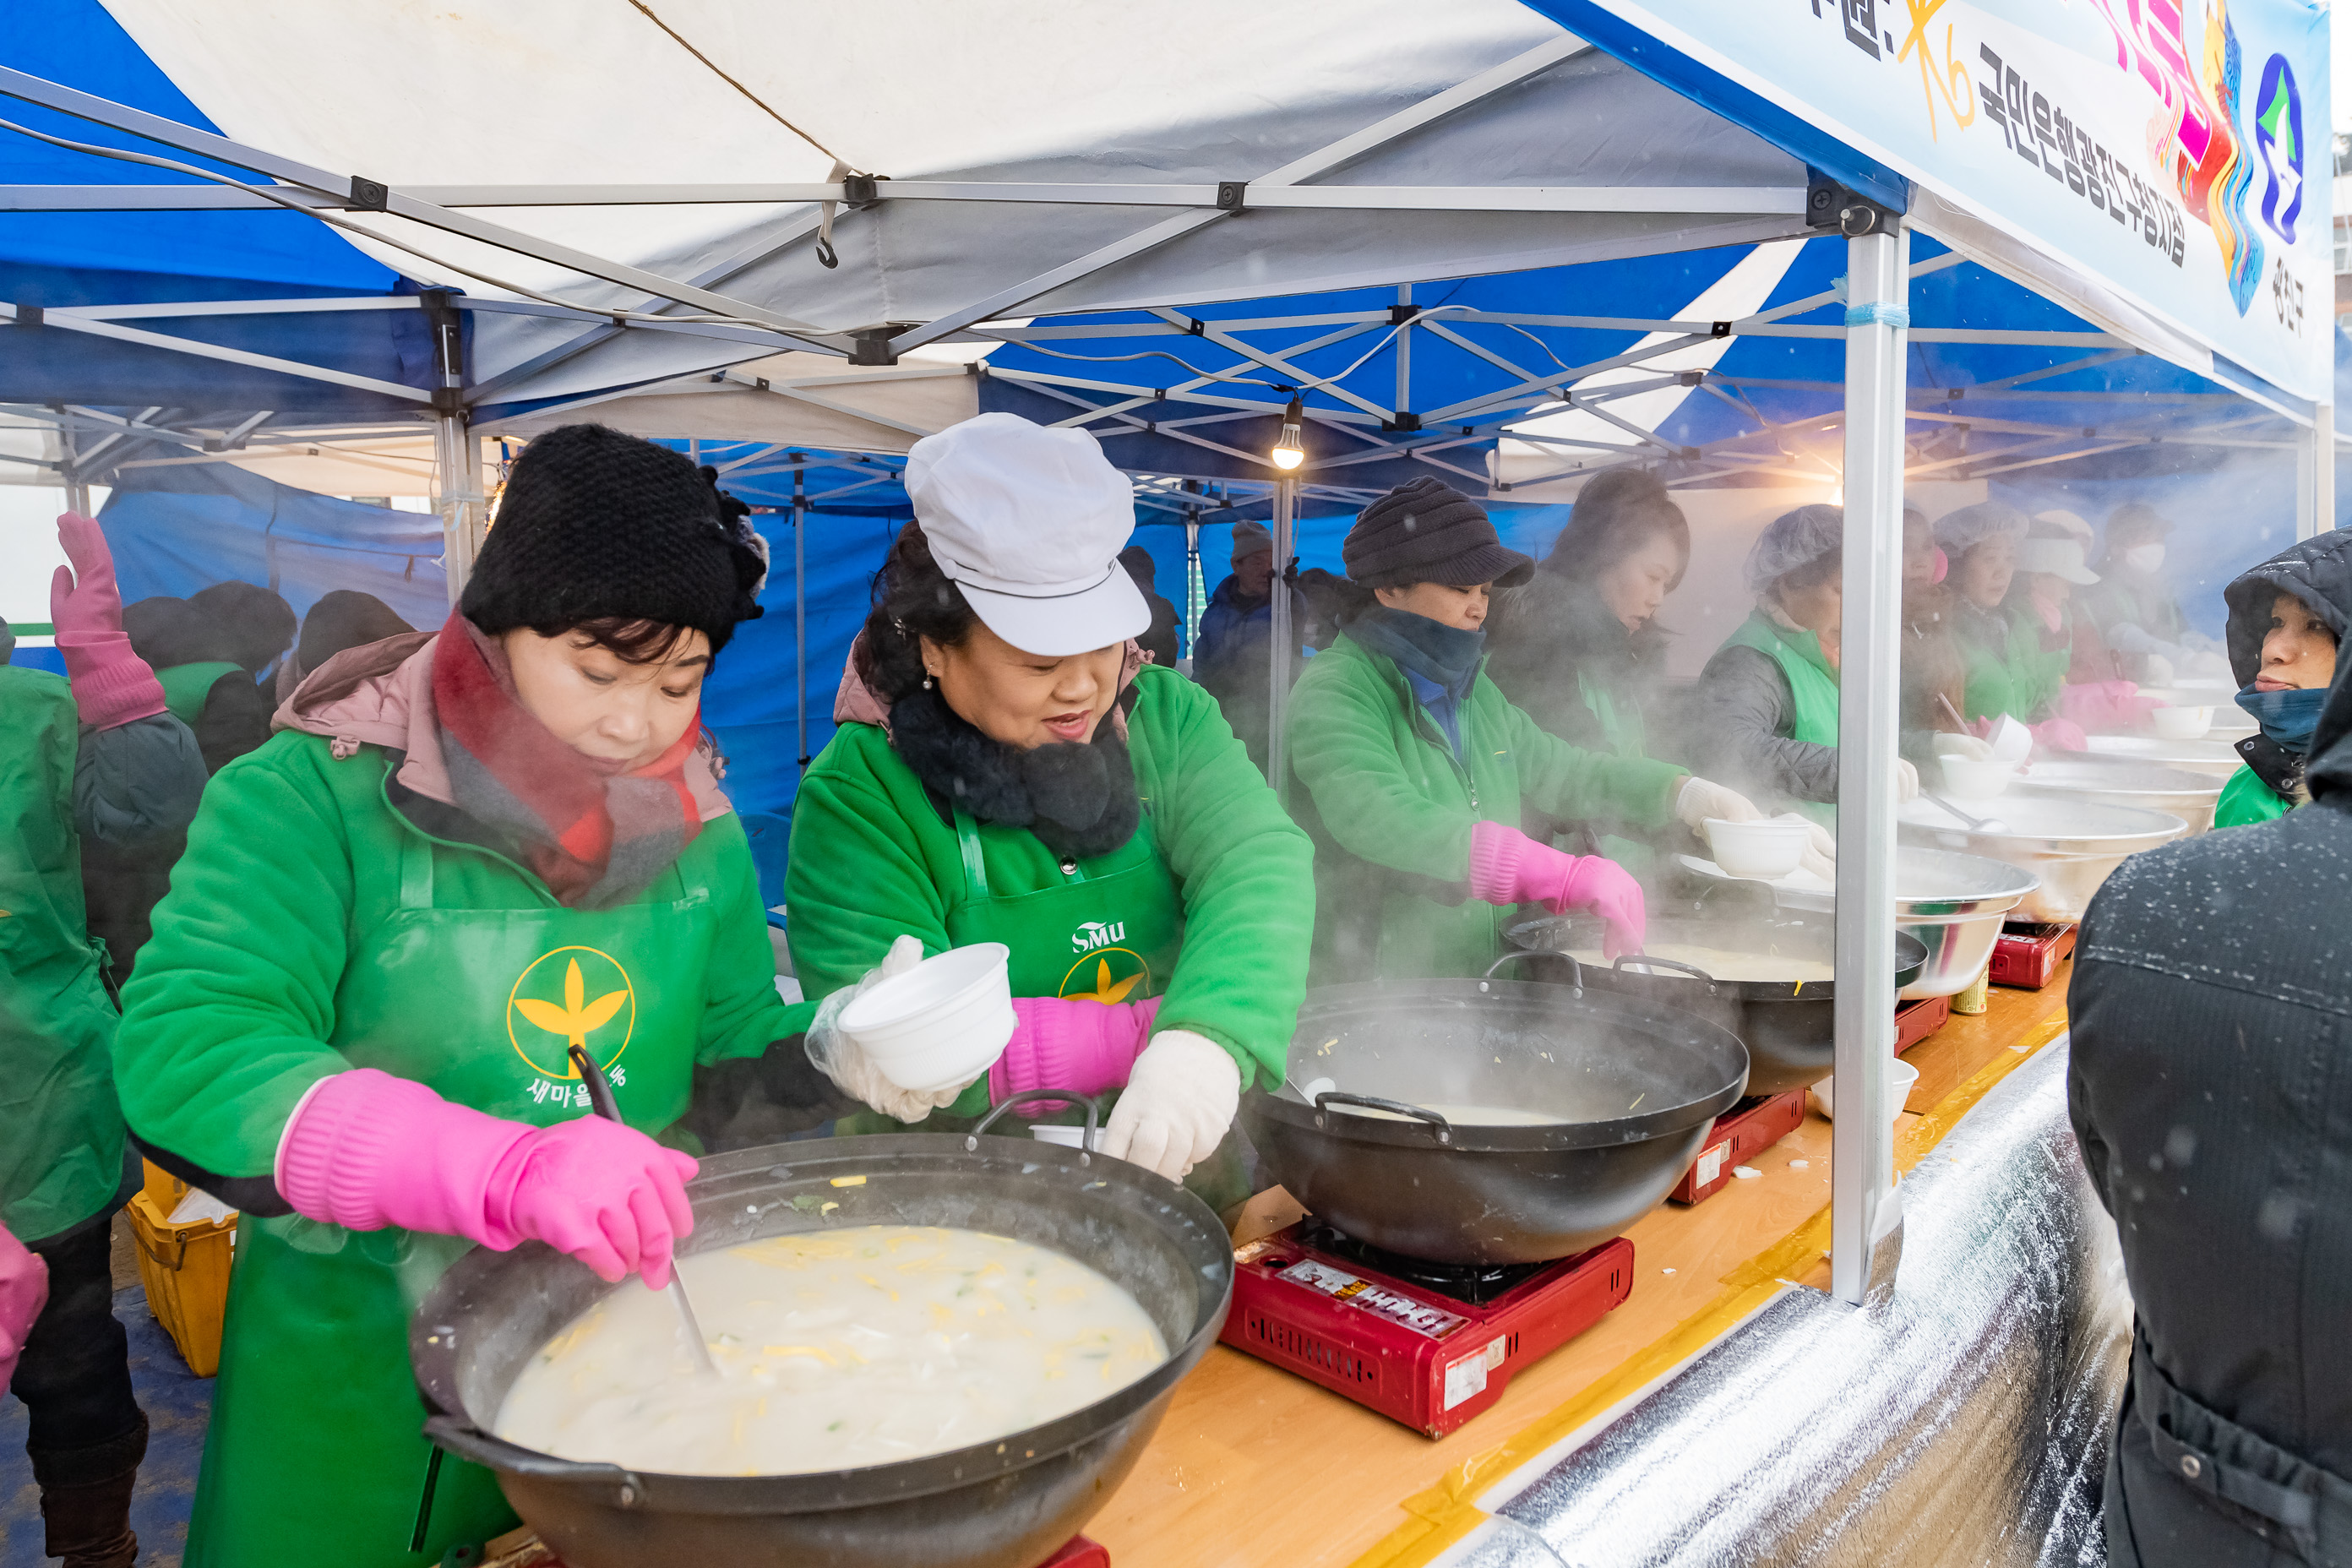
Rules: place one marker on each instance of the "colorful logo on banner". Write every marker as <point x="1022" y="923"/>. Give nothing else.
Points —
<point x="2278" y="137"/>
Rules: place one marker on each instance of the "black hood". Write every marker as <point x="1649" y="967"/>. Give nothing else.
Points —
<point x="2329" y="771"/>
<point x="2316" y="571"/>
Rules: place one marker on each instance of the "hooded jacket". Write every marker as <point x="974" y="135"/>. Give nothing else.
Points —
<point x="2210" y="1089"/>
<point x="296" y="853"/>
<point x="2319" y="573"/>
<point x="1566" y="661"/>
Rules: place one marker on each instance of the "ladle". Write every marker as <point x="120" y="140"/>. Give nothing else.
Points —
<point x="1979" y="823"/>
<point x="600" y="1101"/>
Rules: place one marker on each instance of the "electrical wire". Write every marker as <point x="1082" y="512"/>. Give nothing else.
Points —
<point x="272" y="194"/>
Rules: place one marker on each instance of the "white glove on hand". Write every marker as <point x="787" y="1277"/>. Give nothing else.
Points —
<point x="1180" y="1099"/>
<point x="1906" y="780"/>
<point x="2156" y="670"/>
<point x="840" y="1059"/>
<point x="1699" y="800"/>
<point x="1948" y="744"/>
<point x="2206" y="665"/>
<point x="1820" y="854"/>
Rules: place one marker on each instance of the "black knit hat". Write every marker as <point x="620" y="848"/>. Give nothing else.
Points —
<point x="595" y="524"/>
<point x="1428" y="532"/>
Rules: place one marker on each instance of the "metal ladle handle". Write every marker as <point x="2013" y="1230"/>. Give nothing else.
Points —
<point x="1443" y="1128"/>
<point x="1028" y="1097"/>
<point x="1575" y="969"/>
<point x="1692" y="969"/>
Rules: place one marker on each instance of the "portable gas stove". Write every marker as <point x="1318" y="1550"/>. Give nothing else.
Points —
<point x="1428" y="1344"/>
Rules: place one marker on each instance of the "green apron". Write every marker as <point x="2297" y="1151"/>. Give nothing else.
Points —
<point x="1110" y="930"/>
<point x="1812" y="689"/>
<point x="315" y="1453"/>
<point x="2247" y="800"/>
<point x="187" y="687"/>
<point x="61" y="1140"/>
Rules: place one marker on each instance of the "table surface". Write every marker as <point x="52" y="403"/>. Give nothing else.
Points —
<point x="1253" y="1466"/>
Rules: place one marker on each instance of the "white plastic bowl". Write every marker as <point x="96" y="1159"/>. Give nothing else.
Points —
<point x="1901" y="1078"/>
<point x="1973" y="778"/>
<point x="2181" y="723"/>
<point x="1762" y="850"/>
<point x="942" y="1023"/>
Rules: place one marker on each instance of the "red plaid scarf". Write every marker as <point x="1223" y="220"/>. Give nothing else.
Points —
<point x="596" y="839"/>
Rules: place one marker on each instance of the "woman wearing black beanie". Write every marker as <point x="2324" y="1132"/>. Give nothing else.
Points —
<point x="468" y="861"/>
<point x="1412" y="770"/>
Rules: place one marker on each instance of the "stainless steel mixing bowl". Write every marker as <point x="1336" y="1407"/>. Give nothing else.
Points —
<point x="2071" y="846"/>
<point x="2183" y="792"/>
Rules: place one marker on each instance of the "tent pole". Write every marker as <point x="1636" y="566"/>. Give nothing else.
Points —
<point x="70" y="468"/>
<point x="1283" y="641"/>
<point x="1192" y="576"/>
<point x="1866" y="1211"/>
<point x="458" y="476"/>
<point x="800" y="609"/>
<point x="2315" y="474"/>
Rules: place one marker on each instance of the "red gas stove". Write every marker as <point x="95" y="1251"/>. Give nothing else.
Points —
<point x="1429" y="1344"/>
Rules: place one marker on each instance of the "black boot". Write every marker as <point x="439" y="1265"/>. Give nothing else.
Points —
<point x="86" y="1501"/>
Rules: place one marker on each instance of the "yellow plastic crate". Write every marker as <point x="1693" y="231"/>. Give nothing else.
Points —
<point x="185" y="1270"/>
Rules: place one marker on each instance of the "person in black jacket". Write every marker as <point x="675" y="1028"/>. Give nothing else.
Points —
<point x="1158" y="640"/>
<point x="2210" y="1089"/>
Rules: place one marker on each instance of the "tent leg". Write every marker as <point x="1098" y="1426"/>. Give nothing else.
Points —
<point x="1191" y="578"/>
<point x="458" y="476"/>
<point x="1866" y="1213"/>
<point x="1284" y="641"/>
<point x="2314" y="475"/>
<point x="800" y="613"/>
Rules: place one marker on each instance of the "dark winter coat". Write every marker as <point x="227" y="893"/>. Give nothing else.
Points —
<point x="2319" y="573"/>
<point x="1553" y="643"/>
<point x="1232" y="654"/>
<point x="2211" y="1091"/>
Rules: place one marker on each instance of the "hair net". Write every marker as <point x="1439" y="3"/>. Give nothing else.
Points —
<point x="1973" y="525"/>
<point x="1793" y="539"/>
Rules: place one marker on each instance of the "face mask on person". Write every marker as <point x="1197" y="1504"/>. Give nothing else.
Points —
<point x="2144" y="557"/>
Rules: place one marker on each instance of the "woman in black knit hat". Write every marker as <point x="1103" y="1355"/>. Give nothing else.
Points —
<point x="1411" y="770"/>
<point x="470" y="865"/>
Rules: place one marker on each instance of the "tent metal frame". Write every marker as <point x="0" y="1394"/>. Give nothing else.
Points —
<point x="1877" y="412"/>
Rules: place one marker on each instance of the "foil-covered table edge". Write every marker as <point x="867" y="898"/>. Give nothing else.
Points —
<point x="1963" y="1421"/>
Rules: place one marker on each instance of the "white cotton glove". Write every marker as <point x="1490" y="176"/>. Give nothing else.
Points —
<point x="1819" y="853"/>
<point x="841" y="1058"/>
<point x="1699" y="800"/>
<point x="1906" y="780"/>
<point x="2157" y="670"/>
<point x="2206" y="665"/>
<point x="1948" y="744"/>
<point x="1180" y="1098"/>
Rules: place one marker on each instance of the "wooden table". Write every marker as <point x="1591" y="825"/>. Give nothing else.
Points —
<point x="1255" y="1466"/>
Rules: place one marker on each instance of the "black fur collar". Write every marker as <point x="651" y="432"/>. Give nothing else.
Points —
<point x="1078" y="797"/>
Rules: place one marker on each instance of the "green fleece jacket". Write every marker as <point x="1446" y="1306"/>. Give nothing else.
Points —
<point x="1389" y="807"/>
<point x="293" y="859"/>
<point x="872" y="857"/>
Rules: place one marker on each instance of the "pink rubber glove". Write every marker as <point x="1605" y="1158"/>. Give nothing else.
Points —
<point x="24" y="1291"/>
<point x="367" y="1149"/>
<point x="2104" y="704"/>
<point x="2061" y="735"/>
<point x="1506" y="867"/>
<point x="112" y="685"/>
<point x="1070" y="1043"/>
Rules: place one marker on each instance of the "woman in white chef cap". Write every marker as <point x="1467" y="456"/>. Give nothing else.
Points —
<point x="1009" y="770"/>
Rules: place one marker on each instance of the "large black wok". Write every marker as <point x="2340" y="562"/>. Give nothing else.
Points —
<point x="1635" y="1086"/>
<point x="1790" y="1028"/>
<point x="1007" y="1504"/>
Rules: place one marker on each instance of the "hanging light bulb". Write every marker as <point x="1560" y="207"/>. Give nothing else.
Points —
<point x="1287" y="453"/>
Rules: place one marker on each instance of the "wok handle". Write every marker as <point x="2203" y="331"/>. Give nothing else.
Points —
<point x="468" y="1441"/>
<point x="1575" y="969"/>
<point x="1443" y="1128"/>
<point x="1025" y="1097"/>
<point x="1645" y="960"/>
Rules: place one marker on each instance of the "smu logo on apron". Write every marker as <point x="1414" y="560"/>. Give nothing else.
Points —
<point x="1107" y="974"/>
<point x="571" y="996"/>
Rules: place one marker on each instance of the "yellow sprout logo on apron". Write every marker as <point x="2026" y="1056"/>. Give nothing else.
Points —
<point x="1107" y="974"/>
<point x="571" y="996"/>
